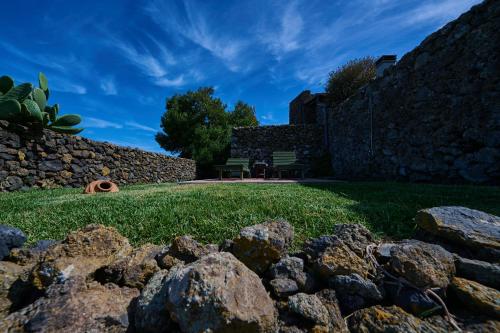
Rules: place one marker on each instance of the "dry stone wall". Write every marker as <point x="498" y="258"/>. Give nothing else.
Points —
<point x="435" y="116"/>
<point x="54" y="159"/>
<point x="259" y="143"/>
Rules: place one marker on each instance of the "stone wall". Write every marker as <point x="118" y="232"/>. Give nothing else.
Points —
<point x="259" y="143"/>
<point x="55" y="159"/>
<point x="435" y="116"/>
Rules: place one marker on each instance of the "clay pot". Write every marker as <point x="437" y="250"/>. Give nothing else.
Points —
<point x="101" y="186"/>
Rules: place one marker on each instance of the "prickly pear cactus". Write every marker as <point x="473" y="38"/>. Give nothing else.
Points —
<point x="27" y="106"/>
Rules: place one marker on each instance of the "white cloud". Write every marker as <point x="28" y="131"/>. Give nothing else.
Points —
<point x="165" y="82"/>
<point x="136" y="125"/>
<point x="286" y="38"/>
<point x="108" y="86"/>
<point x="438" y="11"/>
<point x="267" y="116"/>
<point x="99" y="123"/>
<point x="189" y="22"/>
<point x="144" y="60"/>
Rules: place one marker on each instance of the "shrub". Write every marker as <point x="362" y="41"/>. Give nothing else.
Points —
<point x="347" y="79"/>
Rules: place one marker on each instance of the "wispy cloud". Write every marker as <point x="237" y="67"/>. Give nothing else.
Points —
<point x="108" y="86"/>
<point x="99" y="123"/>
<point x="165" y="82"/>
<point x="285" y="38"/>
<point x="187" y="20"/>
<point x="142" y="127"/>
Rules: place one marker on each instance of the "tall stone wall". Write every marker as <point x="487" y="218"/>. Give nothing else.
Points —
<point x="259" y="143"/>
<point x="55" y="159"/>
<point x="435" y="116"/>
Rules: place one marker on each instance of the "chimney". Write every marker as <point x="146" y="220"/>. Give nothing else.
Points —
<point x="384" y="62"/>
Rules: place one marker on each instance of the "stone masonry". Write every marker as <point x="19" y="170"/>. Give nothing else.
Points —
<point x="435" y="116"/>
<point x="53" y="160"/>
<point x="258" y="143"/>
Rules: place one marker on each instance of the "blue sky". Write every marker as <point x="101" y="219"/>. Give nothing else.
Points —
<point x="115" y="62"/>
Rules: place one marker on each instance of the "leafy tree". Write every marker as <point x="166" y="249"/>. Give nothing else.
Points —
<point x="197" y="125"/>
<point x="348" y="78"/>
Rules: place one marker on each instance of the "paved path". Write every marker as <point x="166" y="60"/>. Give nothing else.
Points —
<point x="261" y="181"/>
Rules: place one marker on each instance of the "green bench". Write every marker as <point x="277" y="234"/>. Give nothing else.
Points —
<point x="235" y="165"/>
<point x="287" y="161"/>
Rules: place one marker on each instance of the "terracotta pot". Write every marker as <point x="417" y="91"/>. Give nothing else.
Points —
<point x="101" y="186"/>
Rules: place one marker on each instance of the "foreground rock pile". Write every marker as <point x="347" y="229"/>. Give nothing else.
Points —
<point x="94" y="281"/>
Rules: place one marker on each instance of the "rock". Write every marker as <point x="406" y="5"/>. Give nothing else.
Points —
<point x="340" y="260"/>
<point x="378" y="319"/>
<point x="329" y="300"/>
<point x="383" y="252"/>
<point x="463" y="226"/>
<point x="422" y="264"/>
<point x="75" y="306"/>
<point x="484" y="327"/>
<point x="261" y="245"/>
<point x="183" y="249"/>
<point x="151" y="314"/>
<point x="80" y="254"/>
<point x="10" y="238"/>
<point x="220" y="294"/>
<point x="410" y="299"/>
<point x="283" y="287"/>
<point x="354" y="292"/>
<point x="310" y="308"/>
<point x="51" y="166"/>
<point x="9" y="274"/>
<point x="477" y="297"/>
<point x="29" y="256"/>
<point x="479" y="271"/>
<point x="355" y="236"/>
<point x="133" y="271"/>
<point x="293" y="268"/>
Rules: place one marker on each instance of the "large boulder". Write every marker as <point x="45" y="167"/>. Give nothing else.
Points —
<point x="477" y="297"/>
<point x="80" y="254"/>
<point x="219" y="293"/>
<point x="479" y="271"/>
<point x="354" y="292"/>
<point x="463" y="226"/>
<point x="133" y="271"/>
<point x="10" y="238"/>
<point x="422" y="264"/>
<point x="151" y="314"/>
<point x="75" y="306"/>
<point x="378" y="319"/>
<point x="261" y="245"/>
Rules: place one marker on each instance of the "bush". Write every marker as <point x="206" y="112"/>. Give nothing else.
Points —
<point x="346" y="80"/>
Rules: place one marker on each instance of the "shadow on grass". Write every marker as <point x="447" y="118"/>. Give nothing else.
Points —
<point x="389" y="208"/>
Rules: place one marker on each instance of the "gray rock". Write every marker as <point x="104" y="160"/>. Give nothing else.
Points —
<point x="261" y="245"/>
<point x="354" y="292"/>
<point x="51" y="166"/>
<point x="410" y="299"/>
<point x="479" y="271"/>
<point x="309" y="307"/>
<point x="293" y="268"/>
<point x="463" y="226"/>
<point x="10" y="238"/>
<point x="183" y="249"/>
<point x="355" y="236"/>
<point x="220" y="294"/>
<point x="283" y="287"/>
<point x="151" y="314"/>
<point x="423" y="264"/>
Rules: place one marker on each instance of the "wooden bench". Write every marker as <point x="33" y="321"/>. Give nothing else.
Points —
<point x="234" y="164"/>
<point x="287" y="161"/>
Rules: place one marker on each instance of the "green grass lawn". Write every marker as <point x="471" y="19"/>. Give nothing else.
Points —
<point x="157" y="213"/>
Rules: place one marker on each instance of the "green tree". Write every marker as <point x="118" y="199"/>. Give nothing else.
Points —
<point x="197" y="125"/>
<point x="347" y="79"/>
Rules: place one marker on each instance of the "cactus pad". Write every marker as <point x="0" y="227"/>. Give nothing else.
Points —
<point x="10" y="110"/>
<point x="6" y="83"/>
<point x="67" y="120"/>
